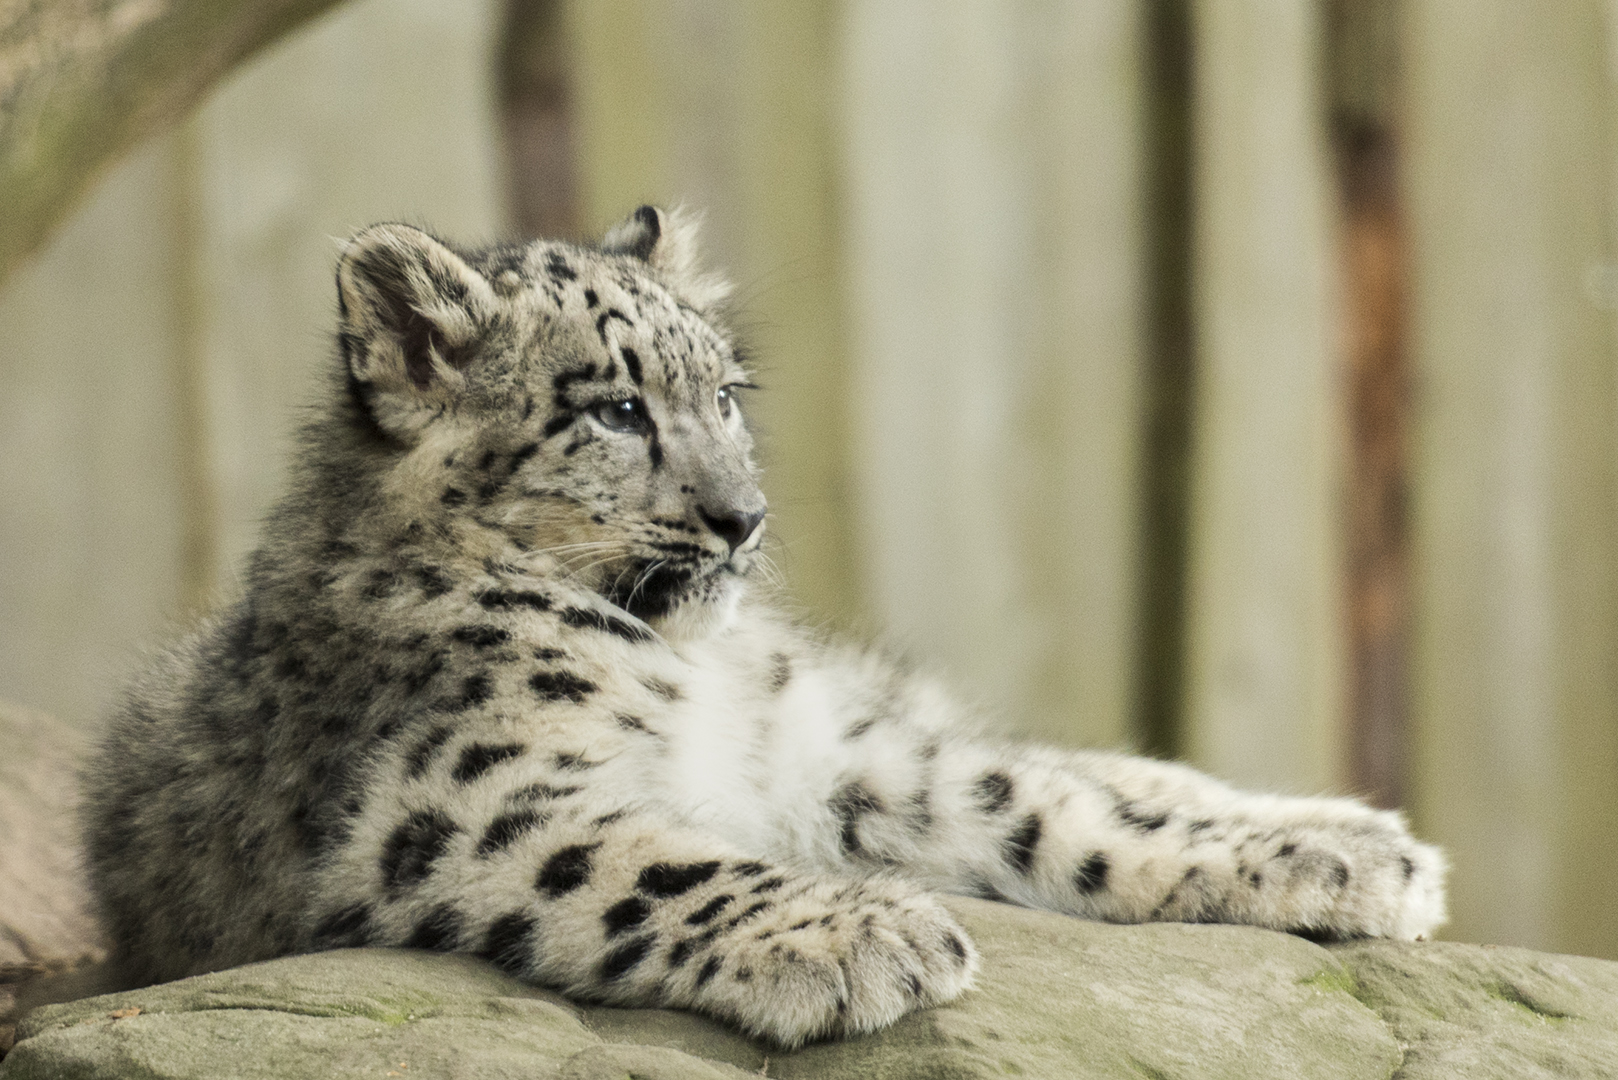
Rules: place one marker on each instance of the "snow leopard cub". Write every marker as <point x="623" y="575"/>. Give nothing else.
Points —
<point x="498" y="684"/>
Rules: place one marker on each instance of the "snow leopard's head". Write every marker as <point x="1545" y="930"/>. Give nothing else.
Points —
<point x="579" y="402"/>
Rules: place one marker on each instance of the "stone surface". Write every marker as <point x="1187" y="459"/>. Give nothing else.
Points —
<point x="1489" y="1012"/>
<point x="1058" y="998"/>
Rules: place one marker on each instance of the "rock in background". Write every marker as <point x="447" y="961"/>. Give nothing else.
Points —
<point x="45" y="925"/>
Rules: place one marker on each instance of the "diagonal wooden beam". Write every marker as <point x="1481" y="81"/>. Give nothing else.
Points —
<point x="82" y="81"/>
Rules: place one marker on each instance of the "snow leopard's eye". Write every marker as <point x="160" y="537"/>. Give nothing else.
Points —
<point x="725" y="397"/>
<point x="625" y="415"/>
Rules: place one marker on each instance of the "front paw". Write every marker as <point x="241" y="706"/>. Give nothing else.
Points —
<point x="1356" y="878"/>
<point x="837" y="959"/>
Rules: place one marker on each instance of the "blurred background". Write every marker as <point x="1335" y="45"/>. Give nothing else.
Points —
<point x="1225" y="380"/>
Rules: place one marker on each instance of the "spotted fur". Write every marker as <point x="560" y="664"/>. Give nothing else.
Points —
<point x="498" y="683"/>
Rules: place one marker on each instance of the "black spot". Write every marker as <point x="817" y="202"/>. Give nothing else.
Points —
<point x="346" y="929"/>
<point x="506" y="943"/>
<point x="475" y="691"/>
<point x="1408" y="867"/>
<point x="1092" y="874"/>
<point x="440" y="930"/>
<point x="667" y="879"/>
<point x="654" y="450"/>
<point x="621" y="960"/>
<point x="780" y="672"/>
<point x="549" y="654"/>
<point x="956" y="946"/>
<point x="507" y="600"/>
<point x="558" y="424"/>
<point x="768" y="885"/>
<point x="860" y="727"/>
<point x="541" y="793"/>
<point x="849" y="803"/>
<point x="708" y="911"/>
<point x="1339" y="874"/>
<point x="682" y="951"/>
<point x="1129" y="815"/>
<point x="1286" y="850"/>
<point x="566" y="870"/>
<point x="710" y="968"/>
<point x="557" y="267"/>
<point x="762" y="905"/>
<point x="452" y="497"/>
<point x="507" y="829"/>
<point x="579" y="443"/>
<point x="523" y="453"/>
<point x="632" y="363"/>
<point x="433" y="581"/>
<point x="380" y="584"/>
<point x="422" y="754"/>
<point x="921" y="804"/>
<point x="561" y="686"/>
<point x="634" y="723"/>
<point x="590" y="298"/>
<point x="584" y="619"/>
<point x="993" y="792"/>
<point x="625" y="915"/>
<point x="607" y="316"/>
<point x="1022" y="841"/>
<point x="985" y="891"/>
<point x="416" y="681"/>
<point x="481" y="637"/>
<point x="479" y="758"/>
<point x="418" y="841"/>
<point x="662" y="689"/>
<point x="749" y="869"/>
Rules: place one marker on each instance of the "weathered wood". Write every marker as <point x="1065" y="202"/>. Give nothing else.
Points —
<point x="996" y="284"/>
<point x="82" y="81"/>
<point x="1265" y="642"/>
<point x="1513" y="122"/>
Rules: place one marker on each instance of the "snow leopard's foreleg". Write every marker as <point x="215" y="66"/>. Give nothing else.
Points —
<point x="620" y="907"/>
<point x="1124" y="839"/>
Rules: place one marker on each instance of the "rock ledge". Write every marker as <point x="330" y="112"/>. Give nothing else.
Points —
<point x="1058" y="998"/>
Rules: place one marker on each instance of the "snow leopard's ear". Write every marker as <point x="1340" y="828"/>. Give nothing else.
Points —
<point x="411" y="314"/>
<point x="666" y="240"/>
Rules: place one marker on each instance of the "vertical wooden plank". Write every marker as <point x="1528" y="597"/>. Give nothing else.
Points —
<point x="382" y="111"/>
<point x="1362" y="45"/>
<point x="90" y="536"/>
<point x="1510" y="177"/>
<point x="1168" y="375"/>
<point x="728" y="109"/>
<point x="1265" y="693"/>
<point x="536" y="111"/>
<point x="994" y="238"/>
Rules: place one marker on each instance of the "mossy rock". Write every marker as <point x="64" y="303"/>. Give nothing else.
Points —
<point x="1058" y="998"/>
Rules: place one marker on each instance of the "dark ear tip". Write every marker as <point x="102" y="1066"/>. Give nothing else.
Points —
<point x="651" y="221"/>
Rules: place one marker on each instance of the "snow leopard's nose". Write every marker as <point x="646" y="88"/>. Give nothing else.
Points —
<point x="732" y="526"/>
